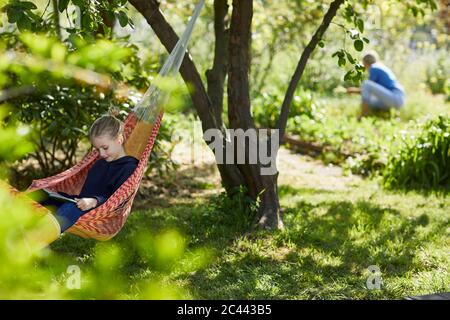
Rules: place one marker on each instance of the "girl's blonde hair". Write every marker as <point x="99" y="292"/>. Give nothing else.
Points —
<point x="107" y="124"/>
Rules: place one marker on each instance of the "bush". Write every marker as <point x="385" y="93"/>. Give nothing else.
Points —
<point x="267" y="106"/>
<point x="322" y="75"/>
<point x="437" y="77"/>
<point x="423" y="162"/>
<point x="62" y="96"/>
<point x="362" y="147"/>
<point x="101" y="271"/>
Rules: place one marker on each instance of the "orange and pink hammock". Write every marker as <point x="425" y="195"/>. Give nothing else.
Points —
<point x="105" y="221"/>
<point x="141" y="129"/>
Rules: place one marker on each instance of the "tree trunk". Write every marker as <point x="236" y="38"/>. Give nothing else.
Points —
<point x="216" y="75"/>
<point x="233" y="175"/>
<point x="230" y="174"/>
<point x="239" y="114"/>
<point x="209" y="104"/>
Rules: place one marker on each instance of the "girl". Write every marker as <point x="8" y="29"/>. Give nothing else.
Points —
<point x="103" y="179"/>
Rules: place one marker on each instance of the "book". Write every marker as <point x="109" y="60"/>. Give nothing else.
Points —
<point x="57" y="195"/>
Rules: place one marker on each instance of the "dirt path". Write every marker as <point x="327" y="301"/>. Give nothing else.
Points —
<point x="197" y="175"/>
<point x="305" y="172"/>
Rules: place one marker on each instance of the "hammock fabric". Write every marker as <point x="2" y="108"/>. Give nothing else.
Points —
<point x="105" y="221"/>
<point x="140" y="131"/>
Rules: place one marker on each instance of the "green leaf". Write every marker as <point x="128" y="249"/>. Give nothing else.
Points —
<point x="78" y="3"/>
<point x="350" y="58"/>
<point x="321" y="44"/>
<point x="348" y="75"/>
<point x="366" y="40"/>
<point x="24" y="24"/>
<point x="110" y="14"/>
<point x="341" y="62"/>
<point x="38" y="45"/>
<point x="14" y="14"/>
<point x="86" y="21"/>
<point x="27" y="5"/>
<point x="58" y="52"/>
<point x="349" y="13"/>
<point x="433" y="5"/>
<point x="359" y="45"/>
<point x="63" y="5"/>
<point x="123" y="18"/>
<point x="360" y="25"/>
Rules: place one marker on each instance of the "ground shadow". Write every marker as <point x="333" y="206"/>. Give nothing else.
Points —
<point x="326" y="258"/>
<point x="327" y="247"/>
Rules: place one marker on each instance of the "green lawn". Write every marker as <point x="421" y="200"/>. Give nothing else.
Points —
<point x="185" y="240"/>
<point x="331" y="238"/>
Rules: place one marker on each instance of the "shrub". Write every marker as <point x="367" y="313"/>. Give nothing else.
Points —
<point x="423" y="162"/>
<point x="361" y="147"/>
<point x="102" y="270"/>
<point x="266" y="107"/>
<point x="437" y="77"/>
<point x="61" y="96"/>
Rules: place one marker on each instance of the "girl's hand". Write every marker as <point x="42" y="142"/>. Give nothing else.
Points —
<point x="86" y="203"/>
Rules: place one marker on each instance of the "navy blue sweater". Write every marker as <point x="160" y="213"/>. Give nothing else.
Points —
<point x="104" y="178"/>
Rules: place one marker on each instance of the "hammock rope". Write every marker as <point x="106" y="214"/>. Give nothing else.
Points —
<point x="140" y="131"/>
<point x="152" y="99"/>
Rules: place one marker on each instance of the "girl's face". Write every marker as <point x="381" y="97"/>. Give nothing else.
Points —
<point x="110" y="149"/>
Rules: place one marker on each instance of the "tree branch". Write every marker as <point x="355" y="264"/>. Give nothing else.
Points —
<point x="231" y="177"/>
<point x="265" y="72"/>
<point x="216" y="75"/>
<point x="331" y="13"/>
<point x="15" y="92"/>
<point x="165" y="33"/>
<point x="239" y="114"/>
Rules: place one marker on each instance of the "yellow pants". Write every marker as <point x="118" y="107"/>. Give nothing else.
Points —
<point x="46" y="231"/>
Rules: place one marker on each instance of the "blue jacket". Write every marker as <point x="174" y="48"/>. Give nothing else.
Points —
<point x="382" y="75"/>
<point x="104" y="178"/>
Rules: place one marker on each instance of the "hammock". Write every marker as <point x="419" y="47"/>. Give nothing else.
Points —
<point x="140" y="131"/>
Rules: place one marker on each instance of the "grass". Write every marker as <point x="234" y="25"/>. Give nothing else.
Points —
<point x="331" y="238"/>
<point x="330" y="241"/>
<point x="419" y="103"/>
<point x="364" y="146"/>
<point x="336" y="228"/>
